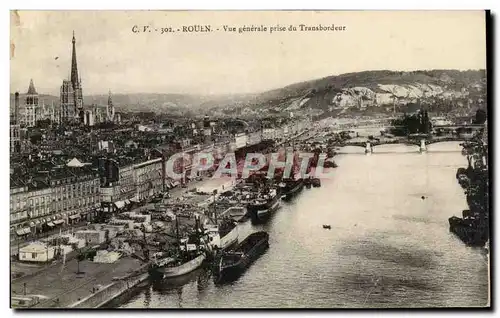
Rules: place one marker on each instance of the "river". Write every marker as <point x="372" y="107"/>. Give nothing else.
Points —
<point x="387" y="246"/>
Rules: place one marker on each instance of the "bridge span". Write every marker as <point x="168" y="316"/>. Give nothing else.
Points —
<point x="422" y="143"/>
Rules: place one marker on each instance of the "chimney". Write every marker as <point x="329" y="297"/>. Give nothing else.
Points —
<point x="16" y="108"/>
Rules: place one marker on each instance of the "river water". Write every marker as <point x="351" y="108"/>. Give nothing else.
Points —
<point x="387" y="246"/>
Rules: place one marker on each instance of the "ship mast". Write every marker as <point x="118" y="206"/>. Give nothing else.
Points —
<point x="177" y="228"/>
<point x="215" y="209"/>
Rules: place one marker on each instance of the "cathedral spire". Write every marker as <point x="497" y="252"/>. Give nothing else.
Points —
<point x="74" y="67"/>
<point x="110" y="110"/>
<point x="31" y="89"/>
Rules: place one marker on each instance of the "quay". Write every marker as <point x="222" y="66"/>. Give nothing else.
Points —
<point x="61" y="286"/>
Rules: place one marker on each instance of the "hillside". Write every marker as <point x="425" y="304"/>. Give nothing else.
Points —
<point x="377" y="91"/>
<point x="361" y="92"/>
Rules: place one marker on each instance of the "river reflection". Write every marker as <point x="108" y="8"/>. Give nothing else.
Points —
<point x="387" y="246"/>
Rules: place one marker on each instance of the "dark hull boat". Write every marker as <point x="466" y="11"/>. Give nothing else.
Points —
<point x="316" y="182"/>
<point x="471" y="233"/>
<point x="291" y="188"/>
<point x="233" y="264"/>
<point x="308" y="183"/>
<point x="262" y="209"/>
<point x="330" y="164"/>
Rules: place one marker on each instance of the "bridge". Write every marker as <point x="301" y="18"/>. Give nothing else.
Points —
<point x="455" y="128"/>
<point x="421" y="141"/>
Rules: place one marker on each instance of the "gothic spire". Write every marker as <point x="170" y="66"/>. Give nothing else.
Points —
<point x="74" y="67"/>
<point x="110" y="102"/>
<point x="31" y="89"/>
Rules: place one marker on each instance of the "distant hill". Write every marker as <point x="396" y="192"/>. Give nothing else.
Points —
<point x="361" y="92"/>
<point x="376" y="91"/>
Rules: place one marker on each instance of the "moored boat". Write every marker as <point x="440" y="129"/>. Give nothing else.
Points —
<point x="316" y="182"/>
<point x="224" y="235"/>
<point x="291" y="187"/>
<point x="308" y="183"/>
<point x="232" y="264"/>
<point x="176" y="266"/>
<point x="186" y="256"/>
<point x="264" y="205"/>
<point x="472" y="231"/>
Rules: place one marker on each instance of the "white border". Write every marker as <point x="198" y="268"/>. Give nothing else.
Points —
<point x="204" y="5"/>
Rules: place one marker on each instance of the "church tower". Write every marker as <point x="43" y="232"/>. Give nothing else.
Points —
<point x="71" y="92"/>
<point x="110" y="110"/>
<point x="31" y="106"/>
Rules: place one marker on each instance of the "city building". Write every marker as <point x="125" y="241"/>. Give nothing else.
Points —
<point x="36" y="252"/>
<point x="18" y="207"/>
<point x="89" y="117"/>
<point x="270" y="133"/>
<point x="30" y="202"/>
<point x="118" y="186"/>
<point x="76" y="193"/>
<point x="148" y="177"/>
<point x="15" y="139"/>
<point x="207" y="130"/>
<point x="31" y="106"/>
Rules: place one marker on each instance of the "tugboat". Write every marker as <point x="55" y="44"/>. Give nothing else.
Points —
<point x="264" y="205"/>
<point x="291" y="187"/>
<point x="188" y="255"/>
<point x="232" y="264"/>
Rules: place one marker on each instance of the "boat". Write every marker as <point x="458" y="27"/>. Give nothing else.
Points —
<point x="176" y="282"/>
<point x="472" y="231"/>
<point x="175" y="266"/>
<point x="308" y="183"/>
<point x="264" y="205"/>
<point x="316" y="182"/>
<point x="224" y="235"/>
<point x="233" y="263"/>
<point x="291" y="187"/>
<point x="186" y="256"/>
<point x="329" y="163"/>
<point x="327" y="226"/>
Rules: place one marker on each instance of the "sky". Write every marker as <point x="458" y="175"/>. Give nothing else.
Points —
<point x="112" y="57"/>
